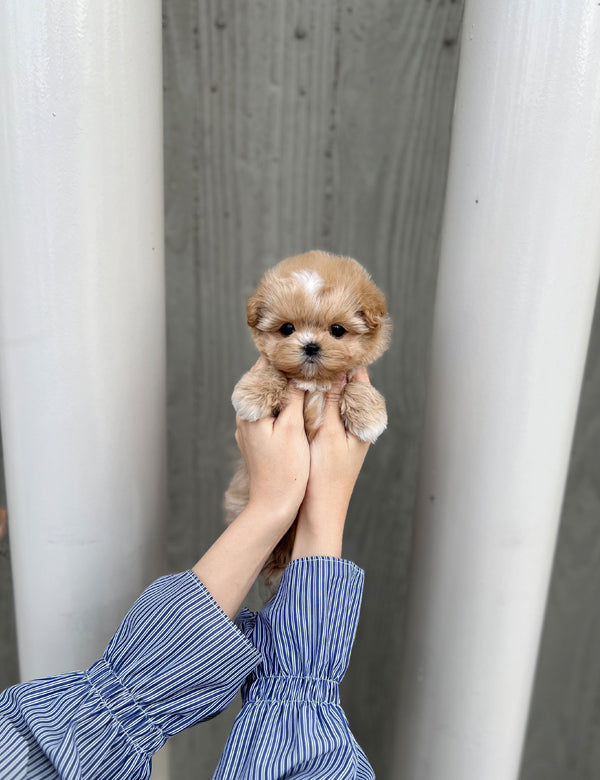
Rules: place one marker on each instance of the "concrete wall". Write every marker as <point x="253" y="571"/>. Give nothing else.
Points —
<point x="299" y="125"/>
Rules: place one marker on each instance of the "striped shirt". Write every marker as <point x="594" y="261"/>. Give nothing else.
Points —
<point x="291" y="724"/>
<point x="177" y="660"/>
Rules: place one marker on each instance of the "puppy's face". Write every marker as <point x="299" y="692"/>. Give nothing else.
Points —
<point x="316" y="316"/>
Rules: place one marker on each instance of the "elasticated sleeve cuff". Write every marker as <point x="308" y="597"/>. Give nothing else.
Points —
<point x="292" y="724"/>
<point x="309" y="626"/>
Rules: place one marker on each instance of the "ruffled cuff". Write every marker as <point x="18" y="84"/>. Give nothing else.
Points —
<point x="175" y="660"/>
<point x="307" y="629"/>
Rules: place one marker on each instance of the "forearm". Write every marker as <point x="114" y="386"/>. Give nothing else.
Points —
<point x="336" y="458"/>
<point x="320" y="532"/>
<point x="231" y="565"/>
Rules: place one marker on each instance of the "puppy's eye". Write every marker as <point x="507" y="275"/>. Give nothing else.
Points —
<point x="337" y="331"/>
<point x="287" y="329"/>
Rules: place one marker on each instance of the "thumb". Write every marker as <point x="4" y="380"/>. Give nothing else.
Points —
<point x="294" y="408"/>
<point x="262" y="362"/>
<point x="335" y="392"/>
<point x="332" y="414"/>
<point x="361" y="375"/>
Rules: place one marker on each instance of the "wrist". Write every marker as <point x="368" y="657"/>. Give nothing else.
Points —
<point x="310" y="542"/>
<point x="233" y="562"/>
<point x="273" y="514"/>
<point x="319" y="532"/>
<point x="325" y="508"/>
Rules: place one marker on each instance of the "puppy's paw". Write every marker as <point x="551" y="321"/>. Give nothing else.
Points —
<point x="363" y="411"/>
<point x="259" y="394"/>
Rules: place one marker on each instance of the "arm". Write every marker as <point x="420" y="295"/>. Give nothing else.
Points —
<point x="277" y="458"/>
<point x="176" y="659"/>
<point x="305" y="634"/>
<point x="336" y="458"/>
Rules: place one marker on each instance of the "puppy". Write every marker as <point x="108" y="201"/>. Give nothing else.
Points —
<point x="315" y="317"/>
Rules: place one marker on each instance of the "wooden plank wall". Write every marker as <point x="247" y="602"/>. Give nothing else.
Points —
<point x="297" y="125"/>
<point x="292" y="126"/>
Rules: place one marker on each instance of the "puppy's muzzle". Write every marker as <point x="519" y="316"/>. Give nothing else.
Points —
<point x="311" y="350"/>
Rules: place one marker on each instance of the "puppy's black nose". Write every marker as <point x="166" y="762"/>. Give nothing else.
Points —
<point x="311" y="349"/>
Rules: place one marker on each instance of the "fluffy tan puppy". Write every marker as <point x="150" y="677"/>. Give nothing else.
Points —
<point x="315" y="317"/>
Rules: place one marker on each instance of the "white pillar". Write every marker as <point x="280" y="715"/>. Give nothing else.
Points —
<point x="82" y="356"/>
<point x="517" y="282"/>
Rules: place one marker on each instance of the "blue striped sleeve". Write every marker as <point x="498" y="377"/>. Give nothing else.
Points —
<point x="176" y="660"/>
<point x="292" y="724"/>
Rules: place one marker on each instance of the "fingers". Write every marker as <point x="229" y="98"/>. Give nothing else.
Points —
<point x="361" y="375"/>
<point x="245" y="428"/>
<point x="294" y="409"/>
<point x="332" y="419"/>
<point x="293" y="412"/>
<point x="335" y="392"/>
<point x="262" y="362"/>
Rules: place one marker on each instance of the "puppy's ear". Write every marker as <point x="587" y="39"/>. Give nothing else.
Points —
<point x="374" y="308"/>
<point x="253" y="307"/>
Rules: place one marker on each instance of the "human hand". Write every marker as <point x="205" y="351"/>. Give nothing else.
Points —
<point x="276" y="453"/>
<point x="277" y="460"/>
<point x="336" y="458"/>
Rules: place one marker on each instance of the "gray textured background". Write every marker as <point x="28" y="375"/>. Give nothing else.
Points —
<point x="299" y="125"/>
